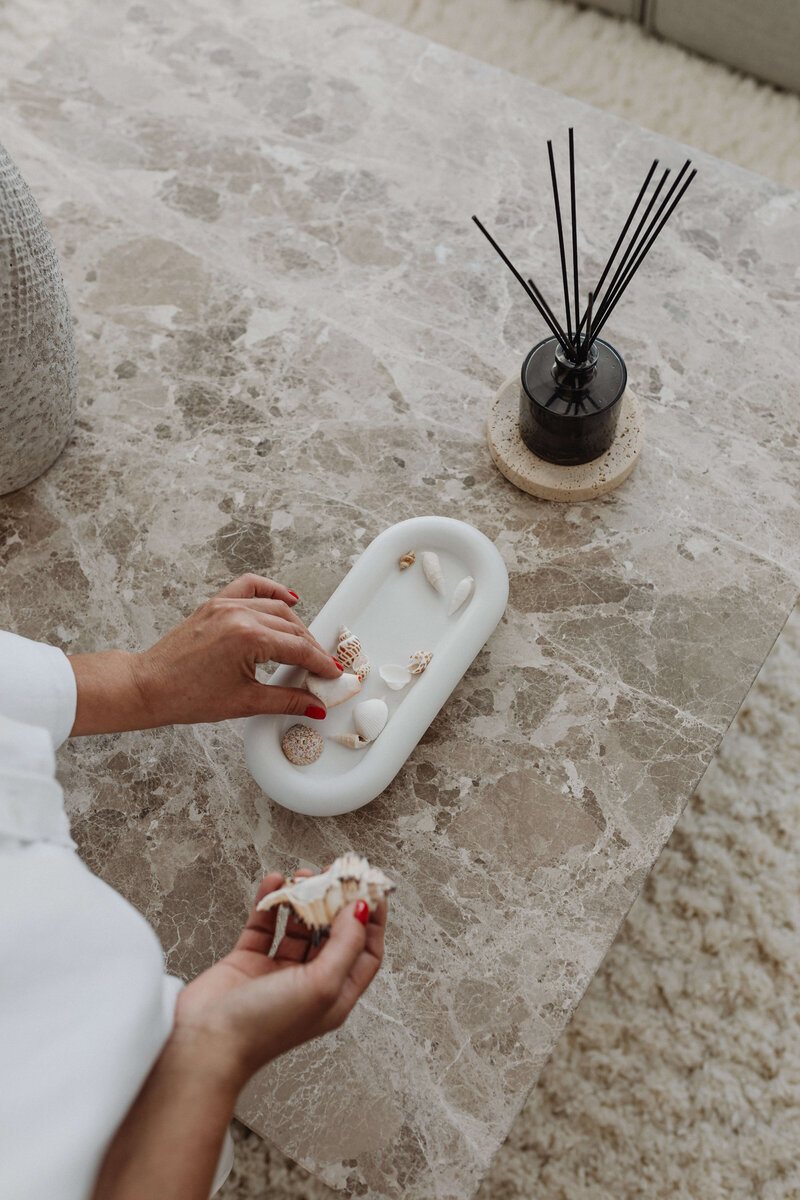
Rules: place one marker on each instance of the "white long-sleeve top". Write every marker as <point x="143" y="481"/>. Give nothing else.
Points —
<point x="85" y="1006"/>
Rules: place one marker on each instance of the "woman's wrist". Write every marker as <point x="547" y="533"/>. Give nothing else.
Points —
<point x="111" y="697"/>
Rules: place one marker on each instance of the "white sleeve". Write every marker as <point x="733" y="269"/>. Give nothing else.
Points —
<point x="85" y="1007"/>
<point x="37" y="685"/>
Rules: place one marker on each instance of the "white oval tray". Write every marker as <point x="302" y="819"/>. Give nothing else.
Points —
<point x="393" y="612"/>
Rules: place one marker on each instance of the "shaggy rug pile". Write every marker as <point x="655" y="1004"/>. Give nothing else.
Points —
<point x="680" y="1074"/>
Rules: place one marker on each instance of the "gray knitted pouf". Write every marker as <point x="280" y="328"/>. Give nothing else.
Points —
<point x="38" y="368"/>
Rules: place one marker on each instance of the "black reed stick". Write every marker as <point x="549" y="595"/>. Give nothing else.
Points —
<point x="621" y="237"/>
<point x="535" y="296"/>
<point x="623" y="262"/>
<point x="619" y="282"/>
<point x="574" y="221"/>
<point x="561" y="243"/>
<point x="638" y="262"/>
<point x="583" y="351"/>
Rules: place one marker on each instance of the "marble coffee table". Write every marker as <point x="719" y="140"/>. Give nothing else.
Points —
<point x="290" y="334"/>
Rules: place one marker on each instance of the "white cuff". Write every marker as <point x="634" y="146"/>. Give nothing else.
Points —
<point x="31" y="801"/>
<point x="37" y="686"/>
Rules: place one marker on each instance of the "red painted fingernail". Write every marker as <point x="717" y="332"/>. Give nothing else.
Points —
<point x="315" y="712"/>
<point x="339" y="665"/>
<point x="291" y="593"/>
<point x="362" y="911"/>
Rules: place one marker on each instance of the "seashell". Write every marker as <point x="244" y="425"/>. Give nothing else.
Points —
<point x="350" y="653"/>
<point x="462" y="590"/>
<point x="302" y="745"/>
<point x="317" y="899"/>
<point x="353" y="741"/>
<point x="333" y="691"/>
<point x="407" y="560"/>
<point x="433" y="571"/>
<point x="419" y="660"/>
<point x="370" y="717"/>
<point x="394" y="676"/>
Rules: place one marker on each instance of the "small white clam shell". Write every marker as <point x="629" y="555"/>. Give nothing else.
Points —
<point x="370" y="717"/>
<point x="353" y="741"/>
<point x="433" y="571"/>
<point x="395" y="676"/>
<point x="333" y="691"/>
<point x="460" y="593"/>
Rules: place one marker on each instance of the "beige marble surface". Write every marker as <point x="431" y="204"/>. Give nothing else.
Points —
<point x="289" y="335"/>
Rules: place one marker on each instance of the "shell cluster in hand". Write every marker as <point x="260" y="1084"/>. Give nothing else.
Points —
<point x="317" y="899"/>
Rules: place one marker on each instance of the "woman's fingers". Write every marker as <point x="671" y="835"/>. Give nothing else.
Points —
<point x="333" y="964"/>
<point x="298" y="652"/>
<point x="247" y="587"/>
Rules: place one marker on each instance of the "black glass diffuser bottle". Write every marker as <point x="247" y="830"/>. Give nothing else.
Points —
<point x="573" y="383"/>
<point x="568" y="411"/>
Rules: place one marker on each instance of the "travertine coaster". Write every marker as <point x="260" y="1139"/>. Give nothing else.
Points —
<point x="548" y="481"/>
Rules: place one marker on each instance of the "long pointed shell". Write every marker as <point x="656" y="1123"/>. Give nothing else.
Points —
<point x="419" y="660"/>
<point x="353" y="741"/>
<point x="394" y="676"/>
<point x="460" y="593"/>
<point x="333" y="691"/>
<point x="433" y="571"/>
<point x="370" y="716"/>
<point x="316" y="900"/>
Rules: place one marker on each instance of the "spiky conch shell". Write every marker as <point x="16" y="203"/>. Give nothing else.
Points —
<point x="317" y="899"/>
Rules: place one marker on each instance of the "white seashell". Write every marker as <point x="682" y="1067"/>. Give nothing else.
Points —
<point x="318" y="898"/>
<point x="350" y="653"/>
<point x="394" y="676"/>
<point x="419" y="660"/>
<point x="333" y="691"/>
<point x="348" y="647"/>
<point x="462" y="590"/>
<point x="302" y="745"/>
<point x="433" y="571"/>
<point x="353" y="741"/>
<point x="407" y="560"/>
<point x="370" y="717"/>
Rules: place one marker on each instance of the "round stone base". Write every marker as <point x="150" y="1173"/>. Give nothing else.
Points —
<point x="547" y="480"/>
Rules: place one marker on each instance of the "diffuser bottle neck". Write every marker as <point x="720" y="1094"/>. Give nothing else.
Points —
<point x="568" y="374"/>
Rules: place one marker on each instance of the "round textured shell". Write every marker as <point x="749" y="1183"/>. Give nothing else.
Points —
<point x="419" y="660"/>
<point x="407" y="560"/>
<point x="301" y="745"/>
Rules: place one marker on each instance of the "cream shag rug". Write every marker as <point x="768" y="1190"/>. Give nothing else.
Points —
<point x="679" y="1075"/>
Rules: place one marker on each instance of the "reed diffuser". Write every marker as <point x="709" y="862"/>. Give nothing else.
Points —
<point x="573" y="381"/>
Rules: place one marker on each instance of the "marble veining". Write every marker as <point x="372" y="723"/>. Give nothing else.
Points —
<point x="289" y="334"/>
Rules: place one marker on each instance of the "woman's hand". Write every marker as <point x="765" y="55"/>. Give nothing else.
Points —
<point x="230" y="1021"/>
<point x="205" y="668"/>
<point x="249" y="1008"/>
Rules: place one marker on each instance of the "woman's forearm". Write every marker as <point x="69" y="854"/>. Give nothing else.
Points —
<point x="110" y="698"/>
<point x="170" y="1142"/>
